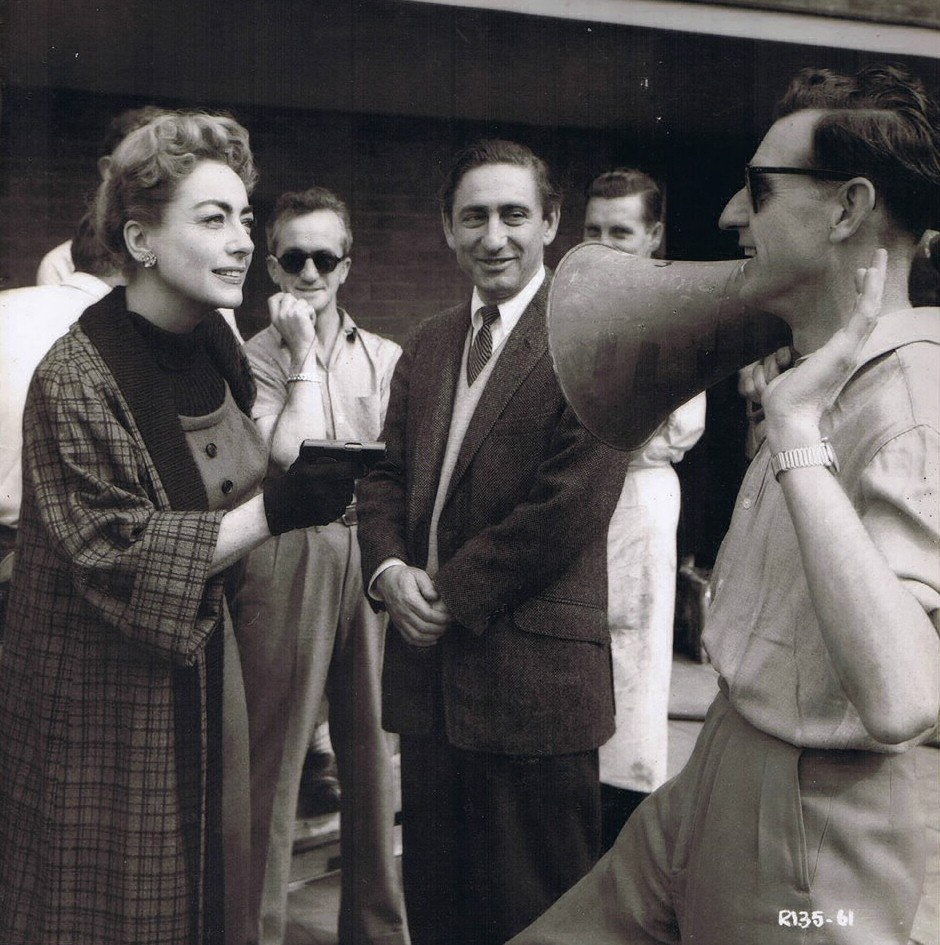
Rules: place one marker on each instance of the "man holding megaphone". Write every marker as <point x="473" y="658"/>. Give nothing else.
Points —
<point x="796" y="818"/>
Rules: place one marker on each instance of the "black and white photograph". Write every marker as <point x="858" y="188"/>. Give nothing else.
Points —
<point x="446" y="455"/>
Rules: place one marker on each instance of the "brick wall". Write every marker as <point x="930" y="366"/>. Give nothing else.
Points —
<point x="388" y="169"/>
<point x="372" y="99"/>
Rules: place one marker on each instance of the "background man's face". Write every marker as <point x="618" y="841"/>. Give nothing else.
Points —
<point x="319" y="230"/>
<point x="621" y="222"/>
<point x="498" y="229"/>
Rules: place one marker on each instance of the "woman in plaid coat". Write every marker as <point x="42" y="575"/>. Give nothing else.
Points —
<point x="123" y="801"/>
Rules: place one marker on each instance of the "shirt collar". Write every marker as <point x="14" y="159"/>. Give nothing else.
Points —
<point x="510" y="310"/>
<point x="347" y="328"/>
<point x="895" y="329"/>
<point x="86" y="282"/>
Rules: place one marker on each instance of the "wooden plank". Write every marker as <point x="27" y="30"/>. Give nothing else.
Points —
<point x="902" y="12"/>
<point x="316" y="850"/>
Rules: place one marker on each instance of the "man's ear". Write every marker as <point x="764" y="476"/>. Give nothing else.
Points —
<point x="856" y="202"/>
<point x="655" y="236"/>
<point x="448" y="230"/>
<point x="344" y="268"/>
<point x="551" y="219"/>
<point x="274" y="269"/>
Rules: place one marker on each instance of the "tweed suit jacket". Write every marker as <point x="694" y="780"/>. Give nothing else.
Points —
<point x="103" y="813"/>
<point x="525" y="668"/>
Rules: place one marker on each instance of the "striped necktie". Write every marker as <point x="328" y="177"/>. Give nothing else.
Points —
<point x="482" y="348"/>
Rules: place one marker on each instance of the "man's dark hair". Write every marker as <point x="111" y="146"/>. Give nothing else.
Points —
<point x="88" y="253"/>
<point x="127" y="121"/>
<point x="626" y="181"/>
<point x="299" y="203"/>
<point x="880" y="124"/>
<point x="924" y="282"/>
<point x="497" y="151"/>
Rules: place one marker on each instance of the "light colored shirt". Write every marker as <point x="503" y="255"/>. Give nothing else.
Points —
<point x="31" y="320"/>
<point x="761" y="632"/>
<point x="56" y="266"/>
<point x="466" y="398"/>
<point x="355" y="383"/>
<point x="678" y="434"/>
<point x="510" y="312"/>
<point x="641" y="591"/>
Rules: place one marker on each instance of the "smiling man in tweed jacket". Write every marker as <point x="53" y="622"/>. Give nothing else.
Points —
<point x="484" y="534"/>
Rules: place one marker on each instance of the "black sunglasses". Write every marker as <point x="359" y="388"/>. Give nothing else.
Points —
<point x="292" y="261"/>
<point x="753" y="172"/>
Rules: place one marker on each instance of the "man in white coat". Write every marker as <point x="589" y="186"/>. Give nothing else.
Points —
<point x="625" y="211"/>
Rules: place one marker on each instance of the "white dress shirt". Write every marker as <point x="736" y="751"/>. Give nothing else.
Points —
<point x="31" y="320"/>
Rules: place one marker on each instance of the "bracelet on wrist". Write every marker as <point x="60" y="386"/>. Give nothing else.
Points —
<point x="310" y="378"/>
<point x="800" y="457"/>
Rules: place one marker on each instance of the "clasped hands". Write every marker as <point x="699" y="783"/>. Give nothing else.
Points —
<point x="413" y="603"/>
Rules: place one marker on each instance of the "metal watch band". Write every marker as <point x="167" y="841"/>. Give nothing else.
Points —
<point x="819" y="454"/>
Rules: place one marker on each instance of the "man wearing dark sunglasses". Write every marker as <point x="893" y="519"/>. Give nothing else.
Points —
<point x="309" y="627"/>
<point x="796" y="817"/>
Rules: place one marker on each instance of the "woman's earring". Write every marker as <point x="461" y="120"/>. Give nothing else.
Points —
<point x="148" y="259"/>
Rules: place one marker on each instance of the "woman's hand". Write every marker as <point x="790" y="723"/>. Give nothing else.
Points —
<point x="309" y="493"/>
<point x="795" y="401"/>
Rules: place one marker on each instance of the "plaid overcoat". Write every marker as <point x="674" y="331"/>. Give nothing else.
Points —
<point x="103" y="674"/>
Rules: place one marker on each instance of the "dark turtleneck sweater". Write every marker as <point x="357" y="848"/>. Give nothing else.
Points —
<point x="195" y="381"/>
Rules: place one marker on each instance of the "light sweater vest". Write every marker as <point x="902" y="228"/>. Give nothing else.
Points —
<point x="465" y="403"/>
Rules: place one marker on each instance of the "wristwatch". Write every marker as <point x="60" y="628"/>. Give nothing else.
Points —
<point x="820" y="454"/>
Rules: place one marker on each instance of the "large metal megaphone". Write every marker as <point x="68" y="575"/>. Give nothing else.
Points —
<point x="632" y="339"/>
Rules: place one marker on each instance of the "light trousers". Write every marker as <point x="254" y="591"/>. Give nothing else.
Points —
<point x="305" y="628"/>
<point x="756" y="842"/>
<point x="641" y="598"/>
